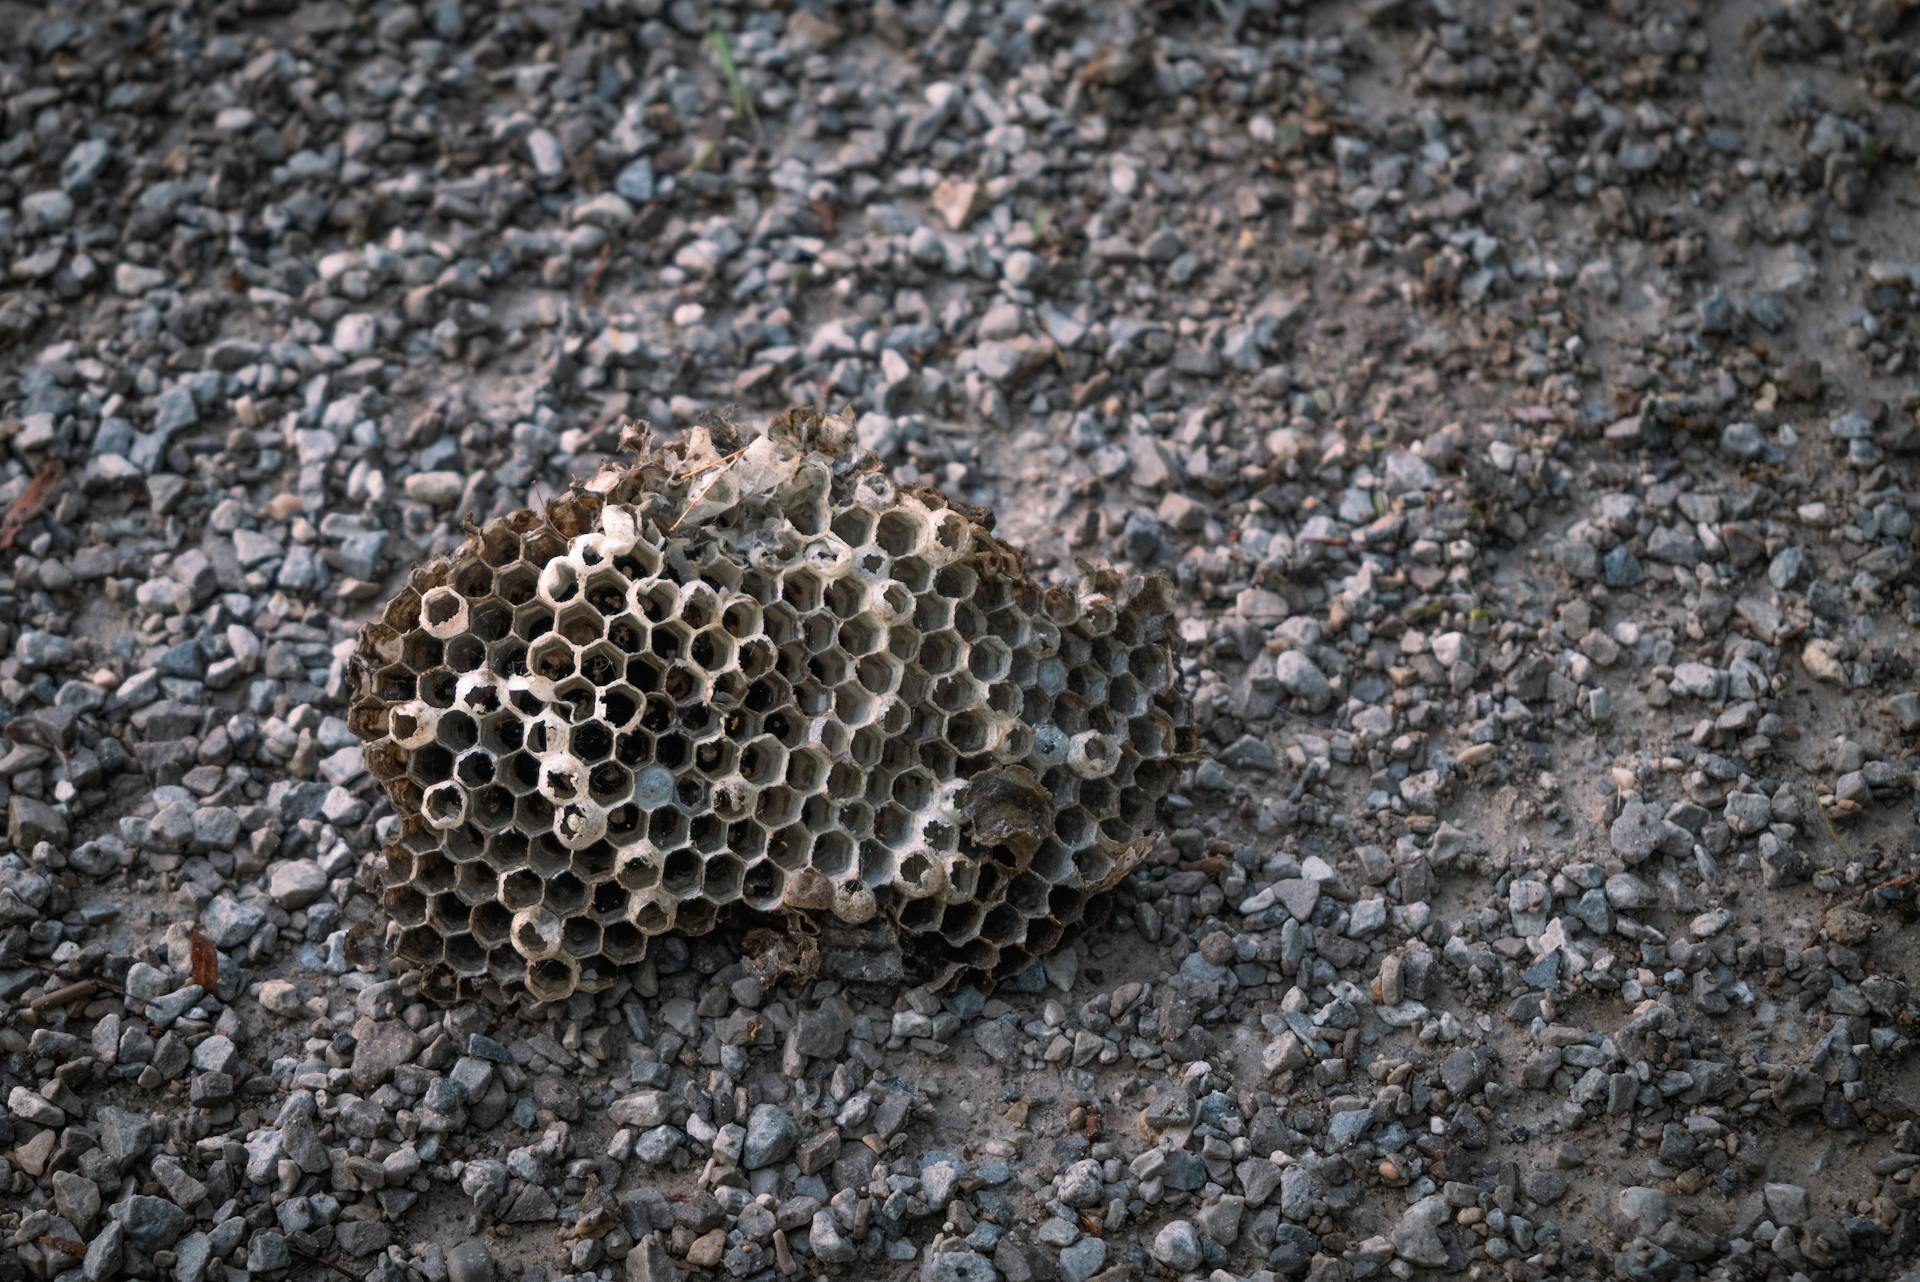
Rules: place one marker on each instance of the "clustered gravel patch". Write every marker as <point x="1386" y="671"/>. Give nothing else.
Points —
<point x="1522" y="402"/>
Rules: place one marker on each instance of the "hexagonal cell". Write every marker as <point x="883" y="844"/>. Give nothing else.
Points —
<point x="580" y="624"/>
<point x="961" y="922"/>
<point x="940" y="652"/>
<point x="818" y="633"/>
<point x="498" y="545"/>
<point x="553" y="979"/>
<point x="443" y="611"/>
<point x="832" y="853"/>
<point x="801" y="589"/>
<point x="1092" y="755"/>
<point x="724" y="874"/>
<point x="444" y="805"/>
<point x="463" y="842"/>
<point x="747" y="838"/>
<point x="691" y="793"/>
<point x="564" y="893"/>
<point x="403" y="611"/>
<point x="589" y="741"/>
<point x="861" y="635"/>
<point x="894" y="826"/>
<point x="606" y="591"/>
<point x="762" y="885"/>
<point x="466" y="956"/>
<point x="698" y="916"/>
<point x="1125" y="697"/>
<point x="988" y="659"/>
<point x="505" y="966"/>
<point x="437" y="686"/>
<point x="580" y="938"/>
<point x="901" y="532"/>
<point x="952" y="532"/>
<point x="829" y="669"/>
<point x="622" y="943"/>
<point x="871" y="564"/>
<point x="914" y="789"/>
<point x="638" y="868"/>
<point x="533" y="813"/>
<point x="653" y="601"/>
<point x="920" y="915"/>
<point x="681" y="874"/>
<point x="492" y="806"/>
<point x="1087" y="684"/>
<point x="853" y="705"/>
<point x="491" y="923"/>
<point x="619" y="707"/>
<point x="957" y="692"/>
<point x="446" y="913"/>
<point x="756" y="658"/>
<point x="419" y="652"/>
<point x="707" y="834"/>
<point x="713" y="756"/>
<point x="517" y="585"/>
<point x="938" y="757"/>
<point x="465" y="654"/>
<point x="699" y="605"/>
<point x="968" y="621"/>
<point x="1092" y="864"/>
<point x="855" y="818"/>
<point x="552" y="658"/>
<point x="559" y="583"/>
<point x="1098" y="794"/>
<point x="608" y="783"/>
<point x="791" y="847"/>
<point x="806" y="768"/>
<point x="852" y="526"/>
<point x="456" y="731"/>
<point x="670" y="639"/>
<point x="711" y="649"/>
<point x="628" y="634"/>
<point x="422" y="945"/>
<point x="406" y="906"/>
<point x="602" y="663"/>
<point x="1008" y="627"/>
<point x="775" y="806"/>
<point x="740" y="618"/>
<point x="640" y="561"/>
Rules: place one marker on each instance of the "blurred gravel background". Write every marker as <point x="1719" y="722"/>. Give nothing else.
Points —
<point x="1522" y="398"/>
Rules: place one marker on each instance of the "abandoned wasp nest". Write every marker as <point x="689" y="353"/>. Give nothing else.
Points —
<point x="765" y="678"/>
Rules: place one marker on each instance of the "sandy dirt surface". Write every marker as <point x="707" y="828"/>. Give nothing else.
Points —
<point x="1521" y="400"/>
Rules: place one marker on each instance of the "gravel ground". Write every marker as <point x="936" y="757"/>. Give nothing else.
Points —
<point x="1522" y="400"/>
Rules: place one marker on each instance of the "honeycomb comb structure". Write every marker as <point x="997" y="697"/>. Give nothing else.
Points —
<point x="764" y="680"/>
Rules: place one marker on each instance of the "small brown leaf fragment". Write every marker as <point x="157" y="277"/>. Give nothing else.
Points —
<point x="65" y="1245"/>
<point x="31" y="502"/>
<point x="205" y="962"/>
